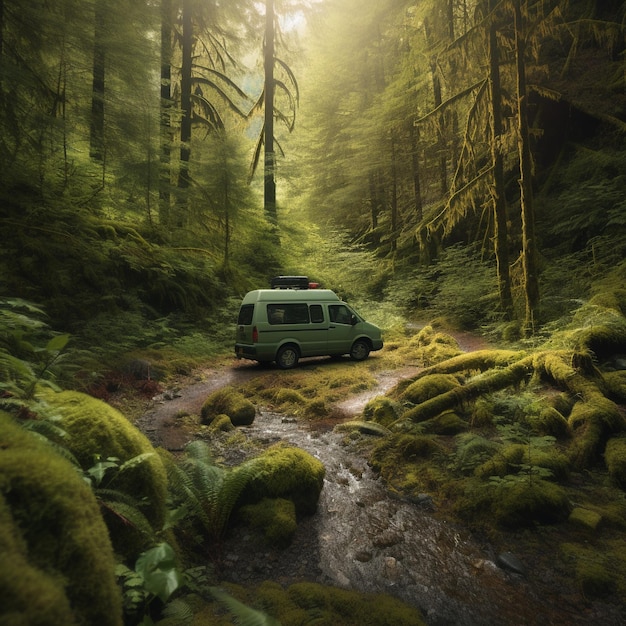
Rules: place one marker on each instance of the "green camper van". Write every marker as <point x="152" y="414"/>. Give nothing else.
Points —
<point x="294" y="319"/>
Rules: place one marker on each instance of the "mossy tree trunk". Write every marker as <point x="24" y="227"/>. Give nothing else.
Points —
<point x="165" y="109"/>
<point x="499" y="199"/>
<point x="269" y="201"/>
<point x="529" y="252"/>
<point x="184" y="179"/>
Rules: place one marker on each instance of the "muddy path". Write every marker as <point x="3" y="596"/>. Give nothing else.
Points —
<point x="363" y="539"/>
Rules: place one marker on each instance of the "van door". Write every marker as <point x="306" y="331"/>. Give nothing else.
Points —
<point x="340" y="329"/>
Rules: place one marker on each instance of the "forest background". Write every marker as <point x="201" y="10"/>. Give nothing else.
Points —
<point x="459" y="160"/>
<point x="462" y="159"/>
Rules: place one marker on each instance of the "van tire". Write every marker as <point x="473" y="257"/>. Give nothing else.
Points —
<point x="360" y="350"/>
<point x="287" y="357"/>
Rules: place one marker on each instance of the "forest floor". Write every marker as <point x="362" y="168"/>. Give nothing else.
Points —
<point x="365" y="539"/>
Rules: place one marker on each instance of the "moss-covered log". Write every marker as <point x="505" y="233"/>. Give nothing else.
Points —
<point x="456" y="397"/>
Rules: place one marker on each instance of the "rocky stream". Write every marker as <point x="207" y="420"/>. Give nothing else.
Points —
<point x="363" y="538"/>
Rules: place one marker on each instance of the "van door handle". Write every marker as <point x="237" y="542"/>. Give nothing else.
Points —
<point x="332" y="327"/>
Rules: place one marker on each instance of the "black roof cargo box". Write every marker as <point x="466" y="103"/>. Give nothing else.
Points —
<point x="290" y="282"/>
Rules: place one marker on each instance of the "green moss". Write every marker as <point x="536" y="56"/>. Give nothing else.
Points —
<point x="507" y="461"/>
<point x="615" y="458"/>
<point x="482" y="413"/>
<point x="592" y="422"/>
<point x="287" y="472"/>
<point x="549" y="422"/>
<point x="350" y="608"/>
<point x="316" y="408"/>
<point x="275" y="517"/>
<point x="289" y="396"/>
<point x="95" y="428"/>
<point x="524" y="502"/>
<point x="594" y="574"/>
<point x="616" y="385"/>
<point x="230" y="402"/>
<point x="221" y="423"/>
<point x="585" y="518"/>
<point x="381" y="410"/>
<point x="430" y="386"/>
<point x="60" y="565"/>
<point x="448" y="423"/>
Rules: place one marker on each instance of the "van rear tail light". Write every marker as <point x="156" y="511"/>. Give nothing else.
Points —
<point x="313" y="285"/>
<point x="255" y="335"/>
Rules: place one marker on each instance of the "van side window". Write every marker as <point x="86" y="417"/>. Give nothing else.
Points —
<point x="245" y="315"/>
<point x="288" y="313"/>
<point x="317" y="314"/>
<point x="339" y="313"/>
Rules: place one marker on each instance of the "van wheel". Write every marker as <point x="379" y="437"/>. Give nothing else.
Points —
<point x="360" y="350"/>
<point x="287" y="357"/>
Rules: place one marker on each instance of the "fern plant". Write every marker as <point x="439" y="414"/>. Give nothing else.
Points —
<point x="205" y="490"/>
<point x="102" y="475"/>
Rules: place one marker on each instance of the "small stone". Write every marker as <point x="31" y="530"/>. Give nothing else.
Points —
<point x="508" y="561"/>
<point x="363" y="556"/>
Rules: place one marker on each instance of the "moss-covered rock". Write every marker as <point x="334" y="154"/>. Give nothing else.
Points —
<point x="230" y="402"/>
<point x="585" y="518"/>
<point x="97" y="429"/>
<point x="58" y="560"/>
<point x="615" y="458"/>
<point x="221" y="423"/>
<point x="525" y="502"/>
<point x="283" y="471"/>
<point x="381" y="410"/>
<point x="274" y="517"/>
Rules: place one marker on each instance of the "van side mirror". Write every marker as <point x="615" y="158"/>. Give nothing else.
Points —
<point x="353" y="319"/>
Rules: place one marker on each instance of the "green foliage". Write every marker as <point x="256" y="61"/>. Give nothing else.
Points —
<point x="205" y="491"/>
<point x="274" y="517"/>
<point x="30" y="354"/>
<point x="245" y="615"/>
<point x="155" y="576"/>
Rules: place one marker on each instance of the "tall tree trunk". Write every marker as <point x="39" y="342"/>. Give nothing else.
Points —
<point x="165" y="110"/>
<point x="418" y="203"/>
<point x="394" y="194"/>
<point x="499" y="199"/>
<point x="529" y="252"/>
<point x="184" y="178"/>
<point x="269" y="178"/>
<point x="96" y="137"/>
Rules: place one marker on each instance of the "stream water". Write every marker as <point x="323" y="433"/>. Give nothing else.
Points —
<point x="364" y="539"/>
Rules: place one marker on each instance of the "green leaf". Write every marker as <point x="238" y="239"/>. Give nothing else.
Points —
<point x="56" y="344"/>
<point x="158" y="568"/>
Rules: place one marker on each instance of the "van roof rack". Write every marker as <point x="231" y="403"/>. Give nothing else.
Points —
<point x="292" y="282"/>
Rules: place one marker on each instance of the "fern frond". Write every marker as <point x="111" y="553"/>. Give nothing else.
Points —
<point x="179" y="611"/>
<point x="244" y="615"/>
<point x="129" y="515"/>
